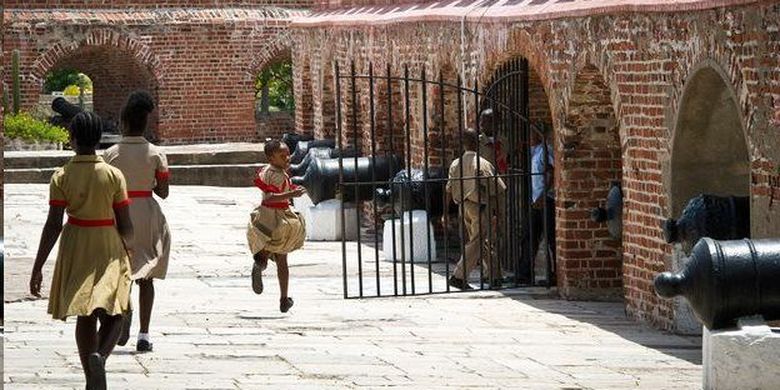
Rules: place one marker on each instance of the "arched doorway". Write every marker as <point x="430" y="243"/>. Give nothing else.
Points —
<point x="274" y="98"/>
<point x="709" y="156"/>
<point x="114" y="73"/>
<point x="709" y="153"/>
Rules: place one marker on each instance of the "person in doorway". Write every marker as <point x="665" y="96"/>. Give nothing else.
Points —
<point x="274" y="228"/>
<point x="145" y="168"/>
<point x="92" y="275"/>
<point x="492" y="146"/>
<point x="542" y="203"/>
<point x="477" y="199"/>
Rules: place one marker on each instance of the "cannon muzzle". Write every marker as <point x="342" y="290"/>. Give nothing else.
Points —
<point x="671" y="234"/>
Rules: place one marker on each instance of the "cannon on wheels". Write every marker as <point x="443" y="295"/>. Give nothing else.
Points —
<point x="321" y="179"/>
<point x="67" y="111"/>
<point x="291" y="139"/>
<point x="315" y="153"/>
<point x="726" y="280"/>
<point x="717" y="217"/>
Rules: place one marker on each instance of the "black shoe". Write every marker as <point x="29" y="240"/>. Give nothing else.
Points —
<point x="97" y="372"/>
<point x="143" y="346"/>
<point x="257" y="278"/>
<point x="458" y="283"/>
<point x="285" y="305"/>
<point x="125" y="335"/>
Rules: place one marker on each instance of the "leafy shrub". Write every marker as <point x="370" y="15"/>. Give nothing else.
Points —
<point x="71" y="90"/>
<point x="27" y="128"/>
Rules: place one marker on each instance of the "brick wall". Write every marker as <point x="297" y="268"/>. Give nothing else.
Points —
<point x="200" y="64"/>
<point x="102" y="4"/>
<point x="274" y="125"/>
<point x="613" y="84"/>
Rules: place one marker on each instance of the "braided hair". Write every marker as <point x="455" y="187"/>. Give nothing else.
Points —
<point x="86" y="128"/>
<point x="136" y="111"/>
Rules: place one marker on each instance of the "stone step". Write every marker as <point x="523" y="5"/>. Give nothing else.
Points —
<point x="223" y="175"/>
<point x="184" y="155"/>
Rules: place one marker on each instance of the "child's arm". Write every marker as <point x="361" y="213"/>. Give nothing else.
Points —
<point x="51" y="231"/>
<point x="282" y="196"/>
<point x="123" y="224"/>
<point x="161" y="189"/>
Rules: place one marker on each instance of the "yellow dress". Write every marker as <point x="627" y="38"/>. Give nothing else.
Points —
<point x="274" y="226"/>
<point x="92" y="269"/>
<point x="142" y="164"/>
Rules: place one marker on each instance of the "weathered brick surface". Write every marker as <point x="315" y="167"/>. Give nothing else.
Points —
<point x="157" y="3"/>
<point x="612" y="86"/>
<point x="200" y="64"/>
<point x="275" y="124"/>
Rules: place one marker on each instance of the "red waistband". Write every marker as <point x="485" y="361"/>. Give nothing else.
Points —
<point x="139" y="194"/>
<point x="90" y="222"/>
<point x="276" y="205"/>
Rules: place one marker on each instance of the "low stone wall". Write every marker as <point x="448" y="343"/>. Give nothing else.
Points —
<point x="15" y="144"/>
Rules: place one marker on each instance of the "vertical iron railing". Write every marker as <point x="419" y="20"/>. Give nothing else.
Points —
<point x="407" y="139"/>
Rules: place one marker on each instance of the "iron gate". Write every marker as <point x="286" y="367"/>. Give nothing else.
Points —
<point x="408" y="142"/>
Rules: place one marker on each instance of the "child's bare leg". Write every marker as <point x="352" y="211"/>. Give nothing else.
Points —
<point x="86" y="339"/>
<point x="110" y="328"/>
<point x="261" y="258"/>
<point x="146" y="301"/>
<point x="283" y="273"/>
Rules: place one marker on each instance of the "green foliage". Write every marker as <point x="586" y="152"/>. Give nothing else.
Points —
<point x="71" y="90"/>
<point x="60" y="79"/>
<point x="278" y="78"/>
<point x="24" y="126"/>
<point x="17" y="99"/>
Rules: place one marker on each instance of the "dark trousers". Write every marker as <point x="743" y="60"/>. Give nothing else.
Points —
<point x="533" y="237"/>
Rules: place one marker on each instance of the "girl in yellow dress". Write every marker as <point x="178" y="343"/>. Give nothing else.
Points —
<point x="145" y="168"/>
<point x="92" y="275"/>
<point x="274" y="228"/>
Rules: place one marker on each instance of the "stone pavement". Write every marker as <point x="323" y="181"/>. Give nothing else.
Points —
<point x="211" y="332"/>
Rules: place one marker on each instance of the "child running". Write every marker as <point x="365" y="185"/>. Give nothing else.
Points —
<point x="274" y="228"/>
<point x="92" y="275"/>
<point x="146" y="171"/>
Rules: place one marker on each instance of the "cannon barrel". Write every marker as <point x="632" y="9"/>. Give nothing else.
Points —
<point x="321" y="179"/>
<point x="65" y="108"/>
<point x="612" y="214"/>
<point x="717" y="217"/>
<point x="292" y="139"/>
<point x="726" y="280"/>
<point x="405" y="194"/>
<point x="300" y="168"/>
<point x="303" y="148"/>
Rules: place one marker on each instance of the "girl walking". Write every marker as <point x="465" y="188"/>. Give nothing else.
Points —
<point x="92" y="275"/>
<point x="146" y="170"/>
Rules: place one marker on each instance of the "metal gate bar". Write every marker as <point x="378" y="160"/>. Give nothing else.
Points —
<point x="507" y="95"/>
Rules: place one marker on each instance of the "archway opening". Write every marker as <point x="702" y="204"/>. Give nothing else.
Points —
<point x="274" y="99"/>
<point x="591" y="164"/>
<point x="710" y="154"/>
<point x="114" y="74"/>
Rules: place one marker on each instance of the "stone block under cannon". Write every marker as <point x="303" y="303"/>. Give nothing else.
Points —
<point x="612" y="213"/>
<point x="291" y="139"/>
<point x="321" y="179"/>
<point x="717" y="217"/>
<point x="300" y="168"/>
<point x="303" y="148"/>
<point x="405" y="194"/>
<point x="726" y="280"/>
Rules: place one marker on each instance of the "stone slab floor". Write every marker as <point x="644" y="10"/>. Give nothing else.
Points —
<point x="211" y="332"/>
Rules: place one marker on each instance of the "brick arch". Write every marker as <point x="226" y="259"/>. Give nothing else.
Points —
<point x="271" y="52"/>
<point x="589" y="160"/>
<point x="142" y="53"/>
<point x="709" y="144"/>
<point x="521" y="44"/>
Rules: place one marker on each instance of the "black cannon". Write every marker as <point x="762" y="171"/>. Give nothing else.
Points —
<point x="405" y="194"/>
<point x="612" y="214"/>
<point x="717" y="217"/>
<point x="292" y="139"/>
<point x="300" y="168"/>
<point x="321" y="179"/>
<point x="303" y="148"/>
<point x="67" y="111"/>
<point x="726" y="280"/>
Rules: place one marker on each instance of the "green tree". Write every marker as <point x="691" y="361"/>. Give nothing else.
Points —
<point x="278" y="80"/>
<point x="59" y="79"/>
